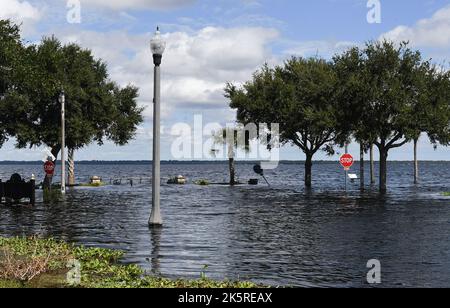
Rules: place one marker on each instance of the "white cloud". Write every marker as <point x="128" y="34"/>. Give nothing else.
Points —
<point x="195" y="68"/>
<point x="139" y="4"/>
<point x="19" y="11"/>
<point x="433" y="32"/>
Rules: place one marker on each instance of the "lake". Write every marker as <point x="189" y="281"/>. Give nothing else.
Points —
<point x="278" y="235"/>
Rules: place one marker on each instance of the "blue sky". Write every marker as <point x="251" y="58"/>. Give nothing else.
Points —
<point x="213" y="42"/>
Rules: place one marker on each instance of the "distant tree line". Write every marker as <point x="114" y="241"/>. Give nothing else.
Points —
<point x="32" y="77"/>
<point x="383" y="95"/>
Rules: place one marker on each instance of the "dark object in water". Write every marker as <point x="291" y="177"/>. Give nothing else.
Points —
<point x="179" y="180"/>
<point x="253" y="182"/>
<point x="95" y="180"/>
<point x="16" y="189"/>
<point x="260" y="171"/>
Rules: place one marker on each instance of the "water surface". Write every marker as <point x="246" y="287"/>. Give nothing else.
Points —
<point x="278" y="235"/>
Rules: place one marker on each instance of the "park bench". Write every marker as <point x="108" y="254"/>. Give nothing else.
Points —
<point x="16" y="189"/>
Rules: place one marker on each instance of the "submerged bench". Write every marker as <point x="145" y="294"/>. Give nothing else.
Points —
<point x="17" y="189"/>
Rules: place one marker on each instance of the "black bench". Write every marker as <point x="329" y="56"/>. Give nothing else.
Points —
<point x="17" y="189"/>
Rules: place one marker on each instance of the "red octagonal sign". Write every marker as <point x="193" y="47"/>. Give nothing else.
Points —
<point x="346" y="161"/>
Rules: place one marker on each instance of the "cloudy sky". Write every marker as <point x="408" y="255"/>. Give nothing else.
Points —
<point x="211" y="42"/>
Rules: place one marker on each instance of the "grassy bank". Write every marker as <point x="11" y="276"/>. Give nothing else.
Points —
<point x="37" y="263"/>
<point x="446" y="194"/>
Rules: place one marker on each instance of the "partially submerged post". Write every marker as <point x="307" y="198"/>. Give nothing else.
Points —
<point x="71" y="161"/>
<point x="372" y="166"/>
<point x="346" y="161"/>
<point x="62" y="100"/>
<point x="260" y="171"/>
<point x="158" y="46"/>
<point x="361" y="165"/>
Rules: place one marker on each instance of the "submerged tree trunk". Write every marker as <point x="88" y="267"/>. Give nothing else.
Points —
<point x="383" y="169"/>
<point x="55" y="152"/>
<point x="308" y="171"/>
<point x="361" y="166"/>
<point x="71" y="159"/>
<point x="372" y="166"/>
<point x="416" y="162"/>
<point x="232" y="164"/>
<point x="232" y="172"/>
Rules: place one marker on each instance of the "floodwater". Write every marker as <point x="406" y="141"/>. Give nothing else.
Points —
<point x="278" y="235"/>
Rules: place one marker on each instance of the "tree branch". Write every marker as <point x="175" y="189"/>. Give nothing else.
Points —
<point x="393" y="146"/>
<point x="396" y="138"/>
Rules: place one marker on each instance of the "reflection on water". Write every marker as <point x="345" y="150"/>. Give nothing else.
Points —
<point x="275" y="235"/>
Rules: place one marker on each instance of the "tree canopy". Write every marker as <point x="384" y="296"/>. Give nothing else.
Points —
<point x="391" y="96"/>
<point x="10" y="51"/>
<point x="300" y="96"/>
<point x="97" y="109"/>
<point x="383" y="94"/>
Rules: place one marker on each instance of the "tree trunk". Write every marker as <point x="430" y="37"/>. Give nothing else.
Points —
<point x="416" y="162"/>
<point x="361" y="166"/>
<point x="71" y="159"/>
<point x="383" y="169"/>
<point x="55" y="152"/>
<point x="372" y="166"/>
<point x="232" y="172"/>
<point x="308" y="171"/>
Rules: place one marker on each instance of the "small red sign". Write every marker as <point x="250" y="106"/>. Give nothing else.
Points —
<point x="49" y="168"/>
<point x="346" y="161"/>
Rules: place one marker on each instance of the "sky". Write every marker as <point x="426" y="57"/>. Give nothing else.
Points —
<point x="212" y="42"/>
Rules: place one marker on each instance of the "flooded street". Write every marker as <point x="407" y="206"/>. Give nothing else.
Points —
<point x="279" y="235"/>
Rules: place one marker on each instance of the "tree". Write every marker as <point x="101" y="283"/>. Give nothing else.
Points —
<point x="300" y="96"/>
<point x="96" y="108"/>
<point x="10" y="65"/>
<point x="234" y="139"/>
<point x="390" y="85"/>
<point x="438" y="111"/>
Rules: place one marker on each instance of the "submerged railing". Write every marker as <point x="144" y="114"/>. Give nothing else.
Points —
<point x="16" y="189"/>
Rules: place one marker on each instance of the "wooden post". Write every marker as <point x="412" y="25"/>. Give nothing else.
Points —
<point x="71" y="160"/>
<point x="33" y="192"/>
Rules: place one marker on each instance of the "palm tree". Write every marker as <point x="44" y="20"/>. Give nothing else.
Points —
<point x="234" y="139"/>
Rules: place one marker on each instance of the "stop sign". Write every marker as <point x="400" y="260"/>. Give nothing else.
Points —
<point x="49" y="168"/>
<point x="346" y="161"/>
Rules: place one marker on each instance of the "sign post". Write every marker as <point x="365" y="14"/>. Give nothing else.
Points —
<point x="346" y="161"/>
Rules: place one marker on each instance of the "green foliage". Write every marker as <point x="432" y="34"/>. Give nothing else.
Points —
<point x="300" y="96"/>
<point x="97" y="109"/>
<point x="93" y="184"/>
<point x="52" y="195"/>
<point x="389" y="95"/>
<point x="99" y="267"/>
<point x="446" y="194"/>
<point x="202" y="182"/>
<point x="10" y="52"/>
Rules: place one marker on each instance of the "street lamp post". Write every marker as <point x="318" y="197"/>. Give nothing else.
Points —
<point x="157" y="46"/>
<point x="62" y="100"/>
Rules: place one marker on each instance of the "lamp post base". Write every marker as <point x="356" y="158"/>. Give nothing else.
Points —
<point x="154" y="224"/>
<point x="155" y="220"/>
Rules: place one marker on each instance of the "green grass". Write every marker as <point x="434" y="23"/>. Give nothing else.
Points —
<point x="93" y="185"/>
<point x="446" y="194"/>
<point x="202" y="182"/>
<point x="99" y="268"/>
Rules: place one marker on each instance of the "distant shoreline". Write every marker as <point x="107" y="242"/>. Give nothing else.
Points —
<point x="195" y="162"/>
